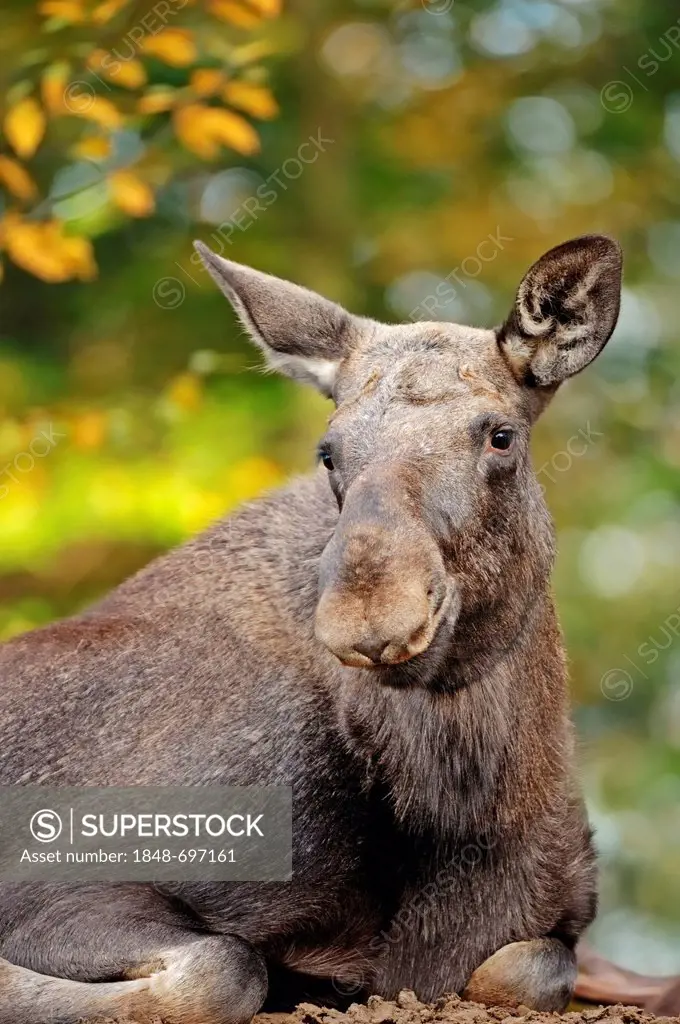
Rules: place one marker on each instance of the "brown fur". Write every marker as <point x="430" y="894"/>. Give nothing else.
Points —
<point x="436" y="817"/>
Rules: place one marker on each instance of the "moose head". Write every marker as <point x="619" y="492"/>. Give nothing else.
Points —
<point x="442" y="523"/>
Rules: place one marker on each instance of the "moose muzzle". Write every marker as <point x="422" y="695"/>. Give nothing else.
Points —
<point x="383" y="587"/>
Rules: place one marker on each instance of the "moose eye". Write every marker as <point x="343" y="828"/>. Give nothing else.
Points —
<point x="501" y="440"/>
<point x="325" y="457"/>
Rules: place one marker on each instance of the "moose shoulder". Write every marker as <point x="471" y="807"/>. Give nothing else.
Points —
<point x="381" y="637"/>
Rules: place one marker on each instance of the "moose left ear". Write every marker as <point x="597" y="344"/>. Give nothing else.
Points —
<point x="565" y="311"/>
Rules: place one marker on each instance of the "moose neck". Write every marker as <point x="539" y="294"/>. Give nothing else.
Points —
<point x="442" y="732"/>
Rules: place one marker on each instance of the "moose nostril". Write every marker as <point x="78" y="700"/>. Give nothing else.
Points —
<point x="436" y="595"/>
<point x="372" y="649"/>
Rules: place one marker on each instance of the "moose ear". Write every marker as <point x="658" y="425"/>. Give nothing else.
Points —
<point x="565" y="311"/>
<point x="302" y="334"/>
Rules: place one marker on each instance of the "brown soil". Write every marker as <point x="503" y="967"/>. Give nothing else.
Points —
<point x="448" y="1010"/>
<point x="453" y="1010"/>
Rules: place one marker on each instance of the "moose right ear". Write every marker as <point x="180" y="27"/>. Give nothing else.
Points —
<point x="565" y="311"/>
<point x="302" y="334"/>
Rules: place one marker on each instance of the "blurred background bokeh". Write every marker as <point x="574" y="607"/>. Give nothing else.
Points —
<point x="409" y="160"/>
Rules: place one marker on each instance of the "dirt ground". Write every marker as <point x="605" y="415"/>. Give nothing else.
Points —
<point x="452" y="1010"/>
<point x="448" y="1010"/>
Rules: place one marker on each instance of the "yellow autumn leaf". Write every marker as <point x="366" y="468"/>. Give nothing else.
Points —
<point x="104" y="12"/>
<point x="130" y="194"/>
<point x="93" y="148"/>
<point x="190" y="128"/>
<point x="268" y="8"/>
<point x="206" y="81"/>
<point x="25" y="126"/>
<point x="256" y="100"/>
<point x="234" y="131"/>
<point x="203" y="129"/>
<point x="42" y="249"/>
<point x="130" y="74"/>
<point x="68" y="10"/>
<point x="95" y="108"/>
<point x="156" y="101"/>
<point x="2" y="271"/>
<point x="17" y="179"/>
<point x="53" y="86"/>
<point x="78" y="253"/>
<point x="174" y="46"/>
<point x="235" y="13"/>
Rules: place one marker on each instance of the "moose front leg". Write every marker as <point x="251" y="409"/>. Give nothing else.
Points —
<point x="453" y="935"/>
<point x="538" y="973"/>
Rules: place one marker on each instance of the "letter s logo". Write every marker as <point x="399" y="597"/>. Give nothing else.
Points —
<point x="46" y="826"/>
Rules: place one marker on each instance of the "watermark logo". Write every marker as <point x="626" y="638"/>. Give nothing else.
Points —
<point x="46" y="826"/>
<point x="249" y="211"/>
<point x="617" y="96"/>
<point x="41" y="445"/>
<point x="437" y="6"/>
<point x="617" y="684"/>
<point x="169" y="292"/>
<point x="562" y="461"/>
<point x="145" y="833"/>
<point x="79" y="97"/>
<point x="412" y="917"/>
<point x="471" y="267"/>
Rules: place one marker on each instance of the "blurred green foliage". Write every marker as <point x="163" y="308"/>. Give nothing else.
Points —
<point x="442" y="124"/>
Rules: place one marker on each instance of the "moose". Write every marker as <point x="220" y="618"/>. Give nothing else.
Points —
<point x="380" y="636"/>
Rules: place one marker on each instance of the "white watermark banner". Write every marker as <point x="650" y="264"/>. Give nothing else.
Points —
<point x="144" y="833"/>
